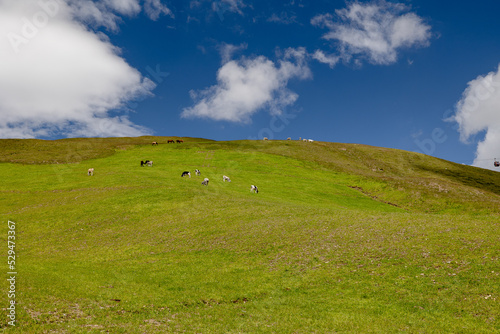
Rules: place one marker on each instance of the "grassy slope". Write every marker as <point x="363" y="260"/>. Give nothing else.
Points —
<point x="319" y="249"/>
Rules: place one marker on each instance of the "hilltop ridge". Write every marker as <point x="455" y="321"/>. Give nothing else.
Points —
<point x="401" y="178"/>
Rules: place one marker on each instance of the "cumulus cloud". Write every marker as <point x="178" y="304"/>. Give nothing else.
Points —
<point x="477" y="112"/>
<point x="57" y="77"/>
<point x="375" y="31"/>
<point x="246" y="86"/>
<point x="96" y="14"/>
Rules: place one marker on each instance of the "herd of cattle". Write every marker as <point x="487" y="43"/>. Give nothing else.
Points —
<point x="225" y="178"/>
<point x="289" y="138"/>
<point x="149" y="163"/>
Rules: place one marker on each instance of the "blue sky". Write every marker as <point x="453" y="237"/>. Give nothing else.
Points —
<point x="382" y="73"/>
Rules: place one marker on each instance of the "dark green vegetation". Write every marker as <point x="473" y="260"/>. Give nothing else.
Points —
<point x="340" y="238"/>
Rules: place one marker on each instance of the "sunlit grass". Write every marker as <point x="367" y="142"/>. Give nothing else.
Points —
<point x="356" y="240"/>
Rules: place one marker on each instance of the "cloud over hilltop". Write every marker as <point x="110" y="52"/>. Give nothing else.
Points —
<point x="479" y="111"/>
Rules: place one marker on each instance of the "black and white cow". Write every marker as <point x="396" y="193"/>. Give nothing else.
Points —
<point x="205" y="182"/>
<point x="226" y="178"/>
<point x="254" y="189"/>
<point x="197" y="171"/>
<point x="186" y="174"/>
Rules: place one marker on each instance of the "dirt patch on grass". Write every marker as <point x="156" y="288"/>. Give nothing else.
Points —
<point x="372" y="196"/>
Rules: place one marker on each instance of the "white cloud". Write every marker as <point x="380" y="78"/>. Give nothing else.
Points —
<point x="331" y="60"/>
<point x="222" y="6"/>
<point x="478" y="111"/>
<point x="94" y="13"/>
<point x="228" y="50"/>
<point x="57" y="77"/>
<point x="154" y="8"/>
<point x="244" y="87"/>
<point x="106" y="13"/>
<point x="125" y="7"/>
<point x="376" y="30"/>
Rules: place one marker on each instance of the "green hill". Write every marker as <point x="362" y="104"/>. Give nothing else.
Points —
<point x="340" y="238"/>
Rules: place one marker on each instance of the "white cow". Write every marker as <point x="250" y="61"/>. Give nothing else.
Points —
<point x="90" y="172"/>
<point x="254" y="189"/>
<point x="197" y="171"/>
<point x="205" y="182"/>
<point x="150" y="163"/>
<point x="226" y="178"/>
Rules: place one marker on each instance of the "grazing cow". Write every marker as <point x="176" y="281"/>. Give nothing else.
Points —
<point x="154" y="143"/>
<point x="186" y="174"/>
<point x="265" y="138"/>
<point x="304" y="139"/>
<point x="170" y="141"/>
<point x="289" y="138"/>
<point x="205" y="182"/>
<point x="254" y="189"/>
<point x="197" y="171"/>
<point x="90" y="172"/>
<point x="226" y="178"/>
<point x="180" y="141"/>
<point x="147" y="162"/>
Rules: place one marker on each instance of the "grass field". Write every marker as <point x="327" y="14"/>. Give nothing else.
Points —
<point x="340" y="238"/>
